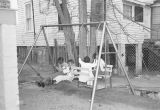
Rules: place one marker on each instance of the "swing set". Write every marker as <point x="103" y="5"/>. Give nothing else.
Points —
<point x="105" y="30"/>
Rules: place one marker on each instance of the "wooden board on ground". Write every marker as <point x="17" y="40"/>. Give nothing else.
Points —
<point x="151" y="92"/>
<point x="149" y="89"/>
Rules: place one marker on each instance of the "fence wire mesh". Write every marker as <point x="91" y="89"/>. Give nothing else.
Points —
<point x="142" y="62"/>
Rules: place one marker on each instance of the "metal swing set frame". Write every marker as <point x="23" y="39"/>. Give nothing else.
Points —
<point x="105" y="29"/>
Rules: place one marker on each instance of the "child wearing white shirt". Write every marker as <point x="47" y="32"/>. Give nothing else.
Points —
<point x="102" y="63"/>
<point x="66" y="69"/>
<point x="68" y="73"/>
<point x="86" y="74"/>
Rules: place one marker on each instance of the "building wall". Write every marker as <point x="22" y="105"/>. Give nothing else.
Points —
<point x="112" y="16"/>
<point x="137" y="32"/>
<point x="155" y="21"/>
<point x="27" y="38"/>
<point x="115" y="17"/>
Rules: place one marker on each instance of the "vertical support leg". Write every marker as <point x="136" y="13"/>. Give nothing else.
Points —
<point x="56" y="50"/>
<point x="122" y="66"/>
<point x="110" y="81"/>
<point x="47" y="43"/>
<point x="121" y="51"/>
<point x="139" y="58"/>
<point x="106" y="60"/>
<point x="105" y="80"/>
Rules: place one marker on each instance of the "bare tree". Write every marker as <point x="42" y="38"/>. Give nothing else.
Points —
<point x="68" y="30"/>
<point x="92" y="29"/>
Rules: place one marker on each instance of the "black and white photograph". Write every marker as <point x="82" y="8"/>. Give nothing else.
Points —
<point x="79" y="54"/>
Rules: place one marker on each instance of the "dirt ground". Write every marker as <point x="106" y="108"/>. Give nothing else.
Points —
<point x="67" y="96"/>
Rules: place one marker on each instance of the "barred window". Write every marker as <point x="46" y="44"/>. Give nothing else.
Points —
<point x="138" y="14"/>
<point x="28" y="17"/>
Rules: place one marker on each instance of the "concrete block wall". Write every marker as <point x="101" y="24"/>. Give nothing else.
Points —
<point x="9" y="94"/>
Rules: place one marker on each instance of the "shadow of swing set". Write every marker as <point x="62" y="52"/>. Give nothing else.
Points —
<point x="108" y="70"/>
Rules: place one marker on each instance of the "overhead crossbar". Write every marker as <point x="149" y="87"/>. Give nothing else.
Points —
<point x="75" y="24"/>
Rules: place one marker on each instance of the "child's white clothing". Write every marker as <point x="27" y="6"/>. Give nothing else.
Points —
<point x="60" y="78"/>
<point x="102" y="64"/>
<point x="86" y="74"/>
<point x="68" y="75"/>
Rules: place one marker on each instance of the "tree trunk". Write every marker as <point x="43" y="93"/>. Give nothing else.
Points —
<point x="83" y="29"/>
<point x="68" y="30"/>
<point x="92" y="30"/>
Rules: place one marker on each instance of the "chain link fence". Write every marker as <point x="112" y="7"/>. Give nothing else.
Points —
<point x="144" y="62"/>
<point x="151" y="57"/>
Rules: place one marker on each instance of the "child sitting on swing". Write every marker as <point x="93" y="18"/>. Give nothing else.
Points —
<point x="65" y="68"/>
<point x="86" y="75"/>
<point x="102" y="62"/>
<point x="68" y="73"/>
<point x="61" y="65"/>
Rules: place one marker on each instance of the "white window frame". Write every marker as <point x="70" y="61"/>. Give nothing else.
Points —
<point x="28" y="18"/>
<point x="132" y="12"/>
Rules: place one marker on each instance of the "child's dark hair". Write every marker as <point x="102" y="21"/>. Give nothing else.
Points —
<point x="60" y="60"/>
<point x="86" y="59"/>
<point x="70" y="61"/>
<point x="94" y="56"/>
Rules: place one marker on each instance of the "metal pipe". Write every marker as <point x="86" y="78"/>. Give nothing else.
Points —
<point x="34" y="27"/>
<point x="76" y="24"/>
<point x="47" y="43"/>
<point x="109" y="52"/>
<point x="122" y="66"/>
<point x="29" y="53"/>
<point x="96" y="76"/>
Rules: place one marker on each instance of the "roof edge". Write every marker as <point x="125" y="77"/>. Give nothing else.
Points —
<point x="140" y="2"/>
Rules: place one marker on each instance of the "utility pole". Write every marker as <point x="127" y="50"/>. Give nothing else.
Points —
<point x="34" y="27"/>
<point x="83" y="29"/>
<point x="98" y="12"/>
<point x="107" y="56"/>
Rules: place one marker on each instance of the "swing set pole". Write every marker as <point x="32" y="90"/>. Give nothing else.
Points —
<point x="96" y="76"/>
<point x="47" y="43"/>
<point x="122" y="66"/>
<point x="105" y="27"/>
<point x="75" y="24"/>
<point x="29" y="52"/>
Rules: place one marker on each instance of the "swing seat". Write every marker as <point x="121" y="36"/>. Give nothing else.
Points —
<point x="84" y="76"/>
<point x="107" y="73"/>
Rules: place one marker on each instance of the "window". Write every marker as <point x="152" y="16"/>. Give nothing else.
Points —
<point x="59" y="20"/>
<point x="98" y="8"/>
<point x="138" y="14"/>
<point x="28" y="17"/>
<point x="127" y="11"/>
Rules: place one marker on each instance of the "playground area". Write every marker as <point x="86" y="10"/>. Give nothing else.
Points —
<point x="67" y="96"/>
<point x="126" y="90"/>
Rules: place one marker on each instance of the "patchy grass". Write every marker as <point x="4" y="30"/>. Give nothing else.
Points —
<point x="67" y="96"/>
